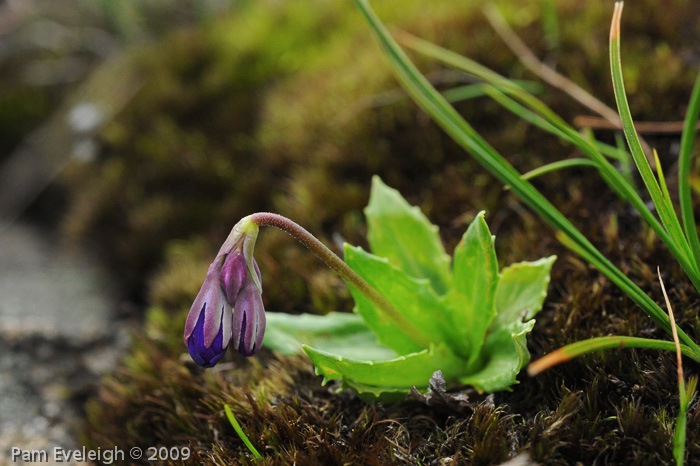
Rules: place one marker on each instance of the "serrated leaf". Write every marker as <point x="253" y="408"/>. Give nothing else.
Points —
<point x="395" y="375"/>
<point x="402" y="234"/>
<point x="504" y="355"/>
<point x="521" y="290"/>
<point x="475" y="277"/>
<point x="413" y="298"/>
<point x="345" y="333"/>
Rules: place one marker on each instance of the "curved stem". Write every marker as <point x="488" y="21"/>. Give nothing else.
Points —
<point x="346" y="273"/>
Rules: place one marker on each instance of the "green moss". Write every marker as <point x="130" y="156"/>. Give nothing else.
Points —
<point x="20" y="109"/>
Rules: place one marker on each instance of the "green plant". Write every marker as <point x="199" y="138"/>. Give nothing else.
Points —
<point x="682" y="241"/>
<point x="239" y="430"/>
<point x="470" y="320"/>
<point x="415" y="315"/>
<point x="680" y="236"/>
<point x="532" y="109"/>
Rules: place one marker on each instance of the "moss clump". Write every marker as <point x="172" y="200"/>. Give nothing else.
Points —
<point x="291" y="108"/>
<point x="614" y="407"/>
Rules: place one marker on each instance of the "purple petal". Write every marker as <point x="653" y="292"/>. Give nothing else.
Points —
<point x="248" y="320"/>
<point x="257" y="270"/>
<point x="217" y="307"/>
<point x="208" y="303"/>
<point x="202" y="354"/>
<point x="234" y="274"/>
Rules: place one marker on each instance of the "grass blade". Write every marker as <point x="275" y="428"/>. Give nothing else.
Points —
<point x="679" y="434"/>
<point x="664" y="207"/>
<point x="472" y="91"/>
<point x="687" y="140"/>
<point x="237" y="427"/>
<point x="433" y="103"/>
<point x="559" y="165"/>
<point x="539" y="114"/>
<point x="574" y="350"/>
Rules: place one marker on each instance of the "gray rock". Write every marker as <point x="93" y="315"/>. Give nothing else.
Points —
<point x="57" y="336"/>
<point x="49" y="291"/>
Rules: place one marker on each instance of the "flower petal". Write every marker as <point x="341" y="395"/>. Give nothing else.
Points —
<point x="202" y="354"/>
<point x="248" y="320"/>
<point x="234" y="274"/>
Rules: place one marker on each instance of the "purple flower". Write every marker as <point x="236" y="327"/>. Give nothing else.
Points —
<point x="228" y="304"/>
<point x="234" y="274"/>
<point x="248" y="310"/>
<point x="248" y="320"/>
<point x="208" y="327"/>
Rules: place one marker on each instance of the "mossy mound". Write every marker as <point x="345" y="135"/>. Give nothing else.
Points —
<point x="615" y="407"/>
<point x="292" y="109"/>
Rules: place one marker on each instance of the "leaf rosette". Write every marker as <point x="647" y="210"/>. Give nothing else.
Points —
<point x="474" y="317"/>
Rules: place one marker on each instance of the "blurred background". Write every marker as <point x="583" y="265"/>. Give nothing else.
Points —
<point x="134" y="134"/>
<point x="67" y="69"/>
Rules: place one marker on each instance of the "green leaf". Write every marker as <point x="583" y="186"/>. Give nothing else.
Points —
<point x="239" y="430"/>
<point x="402" y="234"/>
<point x="413" y="298"/>
<point x="663" y="206"/>
<point x="503" y="356"/>
<point x="391" y="376"/>
<point x="519" y="296"/>
<point x="342" y="332"/>
<point x="521" y="290"/>
<point x="684" y="164"/>
<point x="474" y="286"/>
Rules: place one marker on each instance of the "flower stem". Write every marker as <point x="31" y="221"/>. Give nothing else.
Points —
<point x="346" y="273"/>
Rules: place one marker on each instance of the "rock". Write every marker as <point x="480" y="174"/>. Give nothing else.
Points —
<point x="57" y="335"/>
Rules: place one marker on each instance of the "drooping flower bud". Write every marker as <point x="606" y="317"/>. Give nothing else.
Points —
<point x="208" y="326"/>
<point x="230" y="301"/>
<point x="234" y="274"/>
<point x="248" y="320"/>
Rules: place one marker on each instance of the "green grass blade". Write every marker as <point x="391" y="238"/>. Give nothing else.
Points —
<point x="541" y="115"/>
<point x="587" y="143"/>
<point x="237" y="427"/>
<point x="472" y="91"/>
<point x="550" y="23"/>
<point x="433" y="103"/>
<point x="662" y="182"/>
<point x="558" y="165"/>
<point x="616" y="152"/>
<point x="664" y="208"/>
<point x="467" y="65"/>
<point x="686" y="395"/>
<point x="679" y="433"/>
<point x="626" y="165"/>
<point x="574" y="350"/>
<point x="687" y="140"/>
